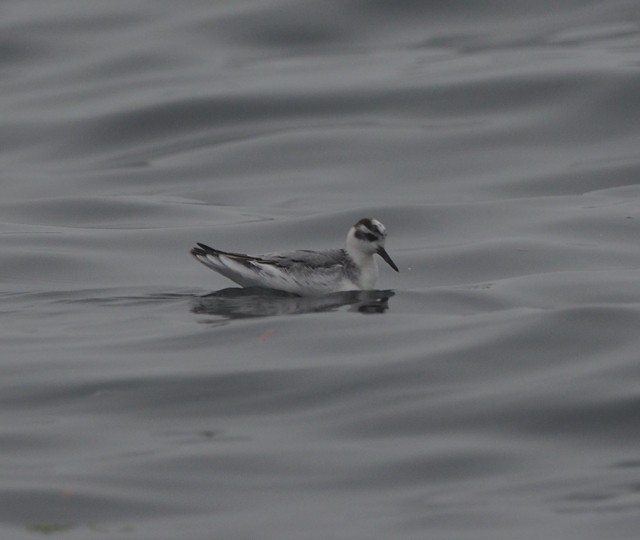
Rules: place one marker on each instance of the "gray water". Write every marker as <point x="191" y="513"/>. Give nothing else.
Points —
<point x="490" y="390"/>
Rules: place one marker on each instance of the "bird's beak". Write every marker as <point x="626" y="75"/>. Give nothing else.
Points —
<point x="383" y="253"/>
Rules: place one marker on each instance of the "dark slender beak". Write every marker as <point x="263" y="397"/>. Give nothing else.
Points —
<point x="383" y="253"/>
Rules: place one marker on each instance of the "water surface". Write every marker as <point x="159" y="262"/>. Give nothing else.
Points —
<point x="490" y="390"/>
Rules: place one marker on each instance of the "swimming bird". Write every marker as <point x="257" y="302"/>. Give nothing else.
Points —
<point x="307" y="272"/>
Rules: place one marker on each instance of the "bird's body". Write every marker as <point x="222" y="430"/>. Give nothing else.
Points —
<point x="307" y="272"/>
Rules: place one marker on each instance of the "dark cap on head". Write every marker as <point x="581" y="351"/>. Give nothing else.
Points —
<point x="366" y="222"/>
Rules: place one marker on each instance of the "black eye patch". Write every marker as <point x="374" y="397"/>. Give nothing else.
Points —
<point x="369" y="237"/>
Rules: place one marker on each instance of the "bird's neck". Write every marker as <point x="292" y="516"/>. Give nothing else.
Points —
<point x="368" y="267"/>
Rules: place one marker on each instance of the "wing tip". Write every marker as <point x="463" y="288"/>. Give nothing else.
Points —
<point x="202" y="250"/>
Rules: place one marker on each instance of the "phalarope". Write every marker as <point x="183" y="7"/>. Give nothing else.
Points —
<point x="307" y="272"/>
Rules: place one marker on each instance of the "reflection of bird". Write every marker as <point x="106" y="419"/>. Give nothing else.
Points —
<point x="307" y="272"/>
<point x="237" y="303"/>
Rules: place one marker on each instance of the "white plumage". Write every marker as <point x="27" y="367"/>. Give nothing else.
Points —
<point x="307" y="272"/>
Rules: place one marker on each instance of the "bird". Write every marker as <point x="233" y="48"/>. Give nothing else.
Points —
<point x="307" y="272"/>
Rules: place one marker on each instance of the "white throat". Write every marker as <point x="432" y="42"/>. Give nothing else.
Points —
<point x="364" y="259"/>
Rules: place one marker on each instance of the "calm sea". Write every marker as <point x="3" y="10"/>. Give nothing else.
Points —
<point x="491" y="391"/>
